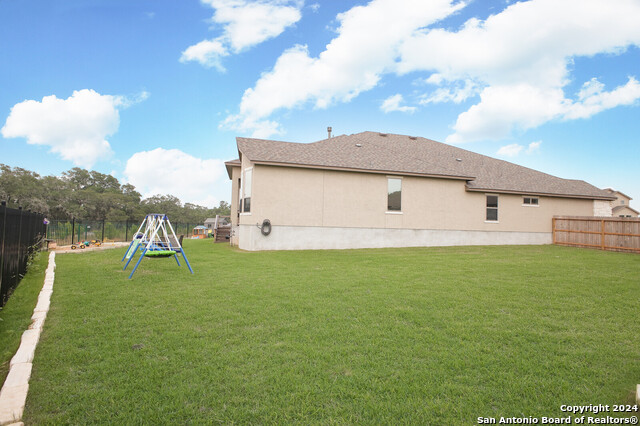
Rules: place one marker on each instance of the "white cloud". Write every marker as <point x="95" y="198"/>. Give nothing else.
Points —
<point x="392" y="103"/>
<point x="592" y="98"/>
<point x="533" y="147"/>
<point x="207" y="52"/>
<point x="505" y="108"/>
<point x="248" y="125"/>
<point x="171" y="171"/>
<point x="245" y="24"/>
<point x="76" y="128"/>
<point x="457" y="93"/>
<point x="515" y="149"/>
<point x="521" y="57"/>
<point x="435" y="78"/>
<point x="365" y="48"/>
<point x="517" y="61"/>
<point x="510" y="150"/>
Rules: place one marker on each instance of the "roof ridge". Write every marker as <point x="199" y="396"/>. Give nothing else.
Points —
<point x="397" y="154"/>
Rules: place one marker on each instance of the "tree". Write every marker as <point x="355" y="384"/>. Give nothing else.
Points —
<point x="21" y="188"/>
<point x="91" y="195"/>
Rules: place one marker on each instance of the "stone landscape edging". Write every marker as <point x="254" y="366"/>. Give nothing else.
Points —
<point x="13" y="395"/>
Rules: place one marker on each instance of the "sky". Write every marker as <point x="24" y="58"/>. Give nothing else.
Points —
<point x="155" y="92"/>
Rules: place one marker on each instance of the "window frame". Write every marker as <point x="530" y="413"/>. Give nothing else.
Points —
<point x="530" y="198"/>
<point x="496" y="208"/>
<point x="390" y="211"/>
<point x="243" y="189"/>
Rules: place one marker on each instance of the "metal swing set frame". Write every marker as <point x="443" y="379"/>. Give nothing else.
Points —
<point x="156" y="237"/>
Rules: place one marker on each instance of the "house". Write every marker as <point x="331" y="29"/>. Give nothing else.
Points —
<point x="210" y="223"/>
<point x="385" y="190"/>
<point x="620" y="206"/>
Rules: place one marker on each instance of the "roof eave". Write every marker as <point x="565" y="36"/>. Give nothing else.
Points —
<point x="542" y="194"/>
<point x="229" y="165"/>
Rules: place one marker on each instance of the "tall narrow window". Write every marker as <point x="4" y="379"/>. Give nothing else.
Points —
<point x="239" y="196"/>
<point x="246" y="202"/>
<point x="492" y="208"/>
<point x="394" y="194"/>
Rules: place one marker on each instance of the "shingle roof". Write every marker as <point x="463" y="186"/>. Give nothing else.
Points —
<point x="614" y="192"/>
<point x="399" y="154"/>
<point x="618" y="208"/>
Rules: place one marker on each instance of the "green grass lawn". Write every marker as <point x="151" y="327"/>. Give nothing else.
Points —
<point x="15" y="316"/>
<point x="416" y="335"/>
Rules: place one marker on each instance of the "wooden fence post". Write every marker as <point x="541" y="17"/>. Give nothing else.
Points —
<point x="553" y="229"/>
<point x="602" y="235"/>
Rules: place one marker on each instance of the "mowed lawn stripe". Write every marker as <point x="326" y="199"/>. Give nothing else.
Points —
<point x="416" y="335"/>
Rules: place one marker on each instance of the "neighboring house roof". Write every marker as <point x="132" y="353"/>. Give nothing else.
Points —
<point x="617" y="209"/>
<point x="407" y="155"/>
<point x="210" y="220"/>
<point x="230" y="164"/>
<point x="614" y="191"/>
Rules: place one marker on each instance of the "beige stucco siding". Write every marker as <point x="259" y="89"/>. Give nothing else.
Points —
<point x="235" y="187"/>
<point x="235" y="176"/>
<point x="324" y="198"/>
<point x="353" y="199"/>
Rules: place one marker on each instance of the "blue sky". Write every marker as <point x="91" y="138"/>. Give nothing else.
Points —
<point x="155" y="91"/>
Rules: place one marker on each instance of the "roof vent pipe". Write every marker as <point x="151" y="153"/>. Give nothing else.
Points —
<point x="329" y="132"/>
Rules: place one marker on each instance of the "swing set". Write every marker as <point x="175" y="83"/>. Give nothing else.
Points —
<point x="155" y="238"/>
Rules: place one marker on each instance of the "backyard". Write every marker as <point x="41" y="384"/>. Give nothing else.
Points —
<point x="412" y="335"/>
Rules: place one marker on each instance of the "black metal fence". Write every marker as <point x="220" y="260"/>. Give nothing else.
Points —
<point x="65" y="232"/>
<point x="21" y="234"/>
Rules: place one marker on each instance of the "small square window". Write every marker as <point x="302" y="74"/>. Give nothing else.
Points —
<point x="530" y="201"/>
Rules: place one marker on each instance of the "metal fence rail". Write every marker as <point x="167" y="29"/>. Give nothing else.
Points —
<point x="21" y="234"/>
<point x="604" y="233"/>
<point x="65" y="232"/>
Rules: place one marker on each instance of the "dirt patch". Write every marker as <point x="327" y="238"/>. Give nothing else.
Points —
<point x="104" y="246"/>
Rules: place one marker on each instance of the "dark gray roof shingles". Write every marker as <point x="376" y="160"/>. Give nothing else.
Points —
<point x="415" y="155"/>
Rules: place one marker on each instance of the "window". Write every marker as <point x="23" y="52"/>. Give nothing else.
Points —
<point x="246" y="201"/>
<point x="394" y="194"/>
<point x="492" y="208"/>
<point x="622" y="202"/>
<point x="530" y="201"/>
<point x="239" y="196"/>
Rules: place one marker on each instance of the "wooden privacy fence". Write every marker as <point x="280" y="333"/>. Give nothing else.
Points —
<point x="604" y="233"/>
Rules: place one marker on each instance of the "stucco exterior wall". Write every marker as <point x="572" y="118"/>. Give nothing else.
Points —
<point x="235" y="187"/>
<point x="305" y="204"/>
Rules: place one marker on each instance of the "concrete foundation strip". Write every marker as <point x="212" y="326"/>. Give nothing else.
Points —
<point x="13" y="395"/>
